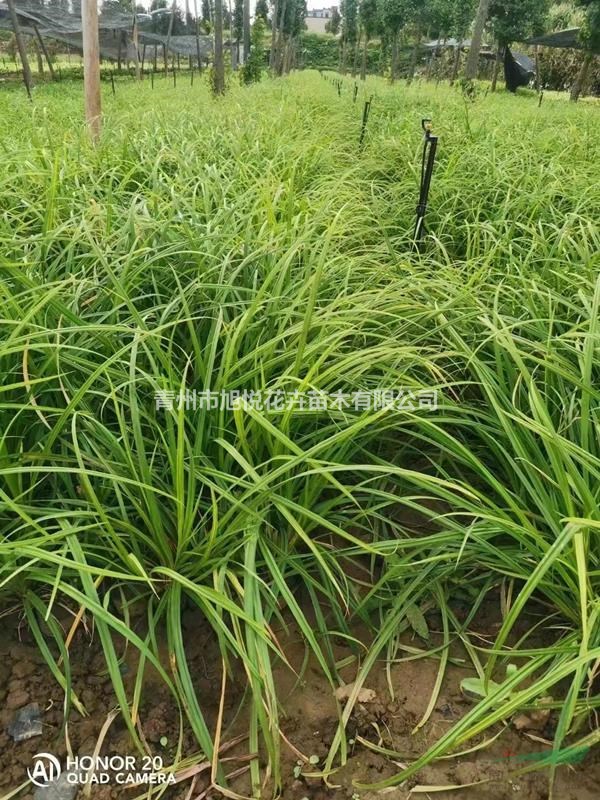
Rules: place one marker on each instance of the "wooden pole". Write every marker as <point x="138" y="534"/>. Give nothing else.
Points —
<point x="272" y="53"/>
<point x="497" y="62"/>
<point x="219" y="63"/>
<point x="40" y="60"/>
<point x="169" y="34"/>
<point x="456" y="62"/>
<point x="91" y="67"/>
<point x="198" y="54"/>
<point x="44" y="51"/>
<point x="246" y="28"/>
<point x="231" y="42"/>
<point x="27" y="79"/>
<point x="136" y="47"/>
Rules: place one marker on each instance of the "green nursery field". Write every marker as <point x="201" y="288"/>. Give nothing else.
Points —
<point x="245" y="248"/>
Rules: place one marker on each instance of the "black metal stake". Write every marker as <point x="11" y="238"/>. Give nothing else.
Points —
<point x="355" y="92"/>
<point x="541" y="98"/>
<point x="112" y="83"/>
<point x="429" y="151"/>
<point x="365" y="118"/>
<point x="192" y="77"/>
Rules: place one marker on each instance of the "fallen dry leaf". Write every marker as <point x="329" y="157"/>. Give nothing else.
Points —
<point x="364" y="695"/>
<point x="533" y="721"/>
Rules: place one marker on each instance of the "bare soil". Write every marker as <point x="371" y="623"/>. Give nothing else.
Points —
<point x="309" y="720"/>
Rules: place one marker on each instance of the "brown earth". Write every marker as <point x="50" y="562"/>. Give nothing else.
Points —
<point x="308" y="721"/>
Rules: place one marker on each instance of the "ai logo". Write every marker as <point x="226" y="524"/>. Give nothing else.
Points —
<point x="45" y="770"/>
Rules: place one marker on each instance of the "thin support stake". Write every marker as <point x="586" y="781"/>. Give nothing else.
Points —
<point x="429" y="150"/>
<point x="365" y="119"/>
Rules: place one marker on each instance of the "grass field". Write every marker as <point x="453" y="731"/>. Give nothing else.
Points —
<point x="245" y="245"/>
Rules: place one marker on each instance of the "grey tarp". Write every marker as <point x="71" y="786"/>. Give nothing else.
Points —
<point x="567" y="39"/>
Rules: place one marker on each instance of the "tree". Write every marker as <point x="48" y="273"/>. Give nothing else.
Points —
<point x="442" y="16"/>
<point x="368" y="20"/>
<point x="472" y="65"/>
<point x="590" y="35"/>
<point x="109" y="6"/>
<point x="261" y="11"/>
<point x="293" y="25"/>
<point x="251" y="72"/>
<point x="288" y="23"/>
<point x="246" y="26"/>
<point x="277" y="17"/>
<point x="419" y="14"/>
<point x="349" y="11"/>
<point x="207" y="15"/>
<point x="333" y="24"/>
<point x="160" y="22"/>
<point x="219" y="62"/>
<point x="392" y="15"/>
<point x="515" y="20"/>
<point x="188" y="18"/>
<point x="462" y="17"/>
<point x="238" y="24"/>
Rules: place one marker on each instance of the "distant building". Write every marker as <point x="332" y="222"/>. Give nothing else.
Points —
<point x="317" y="18"/>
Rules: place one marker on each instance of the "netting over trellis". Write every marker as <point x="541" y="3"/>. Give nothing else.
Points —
<point x="568" y="39"/>
<point x="183" y="45"/>
<point x="115" y="26"/>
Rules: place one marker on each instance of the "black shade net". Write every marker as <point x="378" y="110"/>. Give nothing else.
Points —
<point x="115" y="30"/>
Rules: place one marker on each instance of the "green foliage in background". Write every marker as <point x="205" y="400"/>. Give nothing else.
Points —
<point x="251" y="71"/>
<point x="323" y="52"/>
